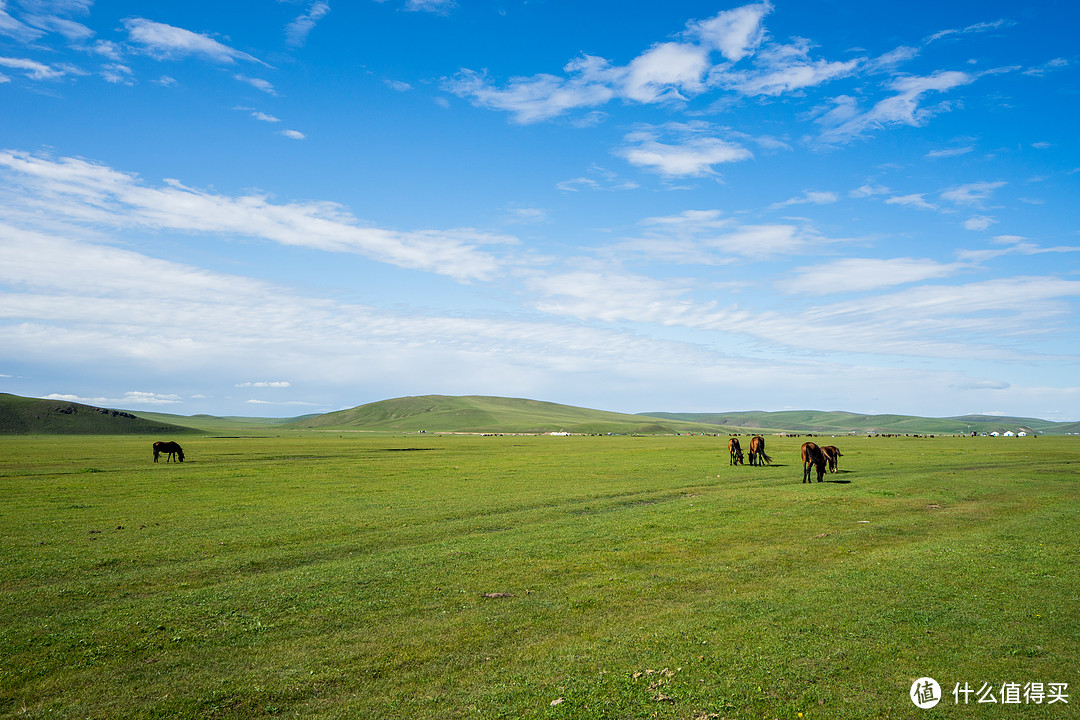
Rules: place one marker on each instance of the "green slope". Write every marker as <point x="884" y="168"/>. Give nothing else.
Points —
<point x="224" y="424"/>
<point x="474" y="413"/>
<point x="813" y="421"/>
<point x="33" y="416"/>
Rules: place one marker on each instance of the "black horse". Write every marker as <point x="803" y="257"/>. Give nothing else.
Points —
<point x="169" y="448"/>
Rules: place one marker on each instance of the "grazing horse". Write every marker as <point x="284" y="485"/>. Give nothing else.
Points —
<point x="831" y="453"/>
<point x="757" y="451"/>
<point x="812" y="455"/>
<point x="169" y="448"/>
<point x="735" y="450"/>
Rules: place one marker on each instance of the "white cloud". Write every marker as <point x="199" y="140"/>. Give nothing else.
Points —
<point x="132" y="397"/>
<point x="118" y="74"/>
<point x="979" y="222"/>
<point x="293" y="134"/>
<point x="971" y="194"/>
<point x="265" y="384"/>
<point x="693" y="154"/>
<point x="1055" y="64"/>
<point x="705" y="237"/>
<point x="854" y="275"/>
<point x="975" y="28"/>
<point x="665" y="72"/>
<point x="32" y="68"/>
<point x="869" y="190"/>
<point x="1014" y="244"/>
<point x="93" y="193"/>
<point x="264" y="117"/>
<point x="107" y="48"/>
<point x="844" y="121"/>
<point x="735" y="33"/>
<point x="783" y="69"/>
<point x="949" y="152"/>
<point x="257" y="83"/>
<point x="809" y="197"/>
<point x="540" y="97"/>
<point x="915" y="200"/>
<point x="439" y="7"/>
<point x="297" y="31"/>
<point x="14" y="28"/>
<point x="168" y="42"/>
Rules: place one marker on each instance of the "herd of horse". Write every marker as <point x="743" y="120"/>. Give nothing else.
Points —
<point x="821" y="458"/>
<point x="818" y="457"/>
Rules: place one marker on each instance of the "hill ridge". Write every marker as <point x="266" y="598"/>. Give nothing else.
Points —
<point x="494" y="414"/>
<point x="37" y="416"/>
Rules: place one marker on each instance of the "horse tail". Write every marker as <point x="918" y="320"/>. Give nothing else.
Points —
<point x="765" y="457"/>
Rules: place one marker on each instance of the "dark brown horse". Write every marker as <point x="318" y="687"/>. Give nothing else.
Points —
<point x="831" y="453"/>
<point x="812" y="455"/>
<point x="169" y="448"/>
<point x="757" y="451"/>
<point x="735" y="451"/>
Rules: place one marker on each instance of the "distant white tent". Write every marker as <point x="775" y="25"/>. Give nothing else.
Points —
<point x="1010" y="433"/>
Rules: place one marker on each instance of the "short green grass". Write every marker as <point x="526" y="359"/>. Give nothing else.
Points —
<point x="319" y="576"/>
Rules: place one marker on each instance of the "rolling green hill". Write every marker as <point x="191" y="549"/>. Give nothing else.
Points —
<point x="483" y="414"/>
<point x="474" y="413"/>
<point x="812" y="421"/>
<point x="224" y="424"/>
<point x="32" y="416"/>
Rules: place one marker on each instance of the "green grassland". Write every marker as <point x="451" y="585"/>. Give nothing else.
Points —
<point x="327" y="575"/>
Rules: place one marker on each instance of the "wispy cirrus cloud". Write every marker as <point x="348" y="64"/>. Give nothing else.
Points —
<point x="972" y="194"/>
<point x="855" y="275"/>
<point x="781" y="69"/>
<point x="914" y="200"/>
<point x="979" y="27"/>
<point x="844" y="121"/>
<point x="258" y="83"/>
<point x="33" y="69"/>
<point x="707" y="237"/>
<point x="164" y="41"/>
<point x="297" y="31"/>
<point x="809" y="197"/>
<point x="97" y="194"/>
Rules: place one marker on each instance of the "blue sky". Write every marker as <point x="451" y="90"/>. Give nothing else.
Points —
<point x="276" y="208"/>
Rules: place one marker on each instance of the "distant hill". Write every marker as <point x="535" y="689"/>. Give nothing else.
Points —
<point x="839" y="422"/>
<point x="484" y="414"/>
<point x="480" y="414"/>
<point x="33" y="416"/>
<point x="224" y="424"/>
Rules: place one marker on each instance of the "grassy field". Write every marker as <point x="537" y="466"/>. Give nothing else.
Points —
<point x="320" y="576"/>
